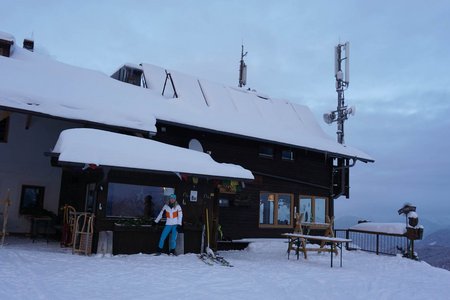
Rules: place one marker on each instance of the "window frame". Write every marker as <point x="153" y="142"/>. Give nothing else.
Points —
<point x="313" y="206"/>
<point x="39" y="203"/>
<point x="275" y="211"/>
<point x="292" y="156"/>
<point x="264" y="155"/>
<point x="114" y="216"/>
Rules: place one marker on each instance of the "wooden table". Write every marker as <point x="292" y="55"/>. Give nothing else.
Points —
<point x="36" y="222"/>
<point x="301" y="240"/>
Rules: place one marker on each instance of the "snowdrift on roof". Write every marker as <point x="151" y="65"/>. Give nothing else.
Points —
<point x="34" y="83"/>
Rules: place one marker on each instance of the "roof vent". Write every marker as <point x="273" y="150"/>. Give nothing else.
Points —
<point x="6" y="44"/>
<point x="28" y="44"/>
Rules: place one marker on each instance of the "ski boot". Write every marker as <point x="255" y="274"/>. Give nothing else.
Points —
<point x="158" y="252"/>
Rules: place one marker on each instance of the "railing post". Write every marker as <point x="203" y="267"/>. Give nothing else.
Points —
<point x="378" y="244"/>
<point x="347" y="235"/>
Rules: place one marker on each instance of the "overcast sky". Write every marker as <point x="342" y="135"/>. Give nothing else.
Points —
<point x="400" y="82"/>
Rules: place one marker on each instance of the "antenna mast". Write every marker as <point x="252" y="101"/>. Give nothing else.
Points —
<point x="242" y="69"/>
<point x="341" y="54"/>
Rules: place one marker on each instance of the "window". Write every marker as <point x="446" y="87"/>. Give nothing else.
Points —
<point x="129" y="200"/>
<point x="275" y="209"/>
<point x="287" y="154"/>
<point x="4" y="126"/>
<point x="266" y="151"/>
<point x="224" y="202"/>
<point x="32" y="199"/>
<point x="314" y="209"/>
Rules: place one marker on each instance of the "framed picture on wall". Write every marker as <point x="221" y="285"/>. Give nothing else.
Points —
<point x="193" y="197"/>
<point x="31" y="199"/>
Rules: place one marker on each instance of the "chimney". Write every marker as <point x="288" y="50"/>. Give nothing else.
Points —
<point x="6" y="44"/>
<point x="28" y="44"/>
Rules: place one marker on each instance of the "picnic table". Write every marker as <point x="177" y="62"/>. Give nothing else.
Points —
<point x="300" y="240"/>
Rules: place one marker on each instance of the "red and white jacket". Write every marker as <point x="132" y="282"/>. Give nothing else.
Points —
<point x="174" y="215"/>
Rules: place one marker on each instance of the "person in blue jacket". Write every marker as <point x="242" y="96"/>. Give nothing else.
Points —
<point x="174" y="218"/>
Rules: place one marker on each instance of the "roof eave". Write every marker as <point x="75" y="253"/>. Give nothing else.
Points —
<point x="332" y="154"/>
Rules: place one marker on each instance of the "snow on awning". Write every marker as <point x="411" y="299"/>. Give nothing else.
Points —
<point x="103" y="148"/>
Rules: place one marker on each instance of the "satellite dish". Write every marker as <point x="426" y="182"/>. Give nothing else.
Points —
<point x="195" y="145"/>
<point x="328" y="118"/>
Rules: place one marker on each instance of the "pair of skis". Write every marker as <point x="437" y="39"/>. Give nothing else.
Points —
<point x="210" y="258"/>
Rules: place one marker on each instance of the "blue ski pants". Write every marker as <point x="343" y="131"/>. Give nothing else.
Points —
<point x="172" y="229"/>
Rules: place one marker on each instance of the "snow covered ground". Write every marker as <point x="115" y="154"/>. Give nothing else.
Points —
<point x="41" y="271"/>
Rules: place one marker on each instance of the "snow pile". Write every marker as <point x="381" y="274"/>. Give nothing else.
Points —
<point x="105" y="148"/>
<point x="393" y="228"/>
<point x="38" y="271"/>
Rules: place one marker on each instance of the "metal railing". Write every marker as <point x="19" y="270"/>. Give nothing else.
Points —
<point x="376" y="242"/>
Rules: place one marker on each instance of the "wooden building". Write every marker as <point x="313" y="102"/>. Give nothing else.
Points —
<point x="118" y="146"/>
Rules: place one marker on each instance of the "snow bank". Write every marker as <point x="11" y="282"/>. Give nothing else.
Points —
<point x="105" y="148"/>
<point x="41" y="271"/>
<point x="393" y="228"/>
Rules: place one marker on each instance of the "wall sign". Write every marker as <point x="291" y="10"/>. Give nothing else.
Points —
<point x="193" y="197"/>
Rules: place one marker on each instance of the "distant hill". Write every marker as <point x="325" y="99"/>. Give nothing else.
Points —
<point x="346" y="222"/>
<point x="435" y="249"/>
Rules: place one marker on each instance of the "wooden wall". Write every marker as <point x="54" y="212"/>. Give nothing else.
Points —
<point x="309" y="174"/>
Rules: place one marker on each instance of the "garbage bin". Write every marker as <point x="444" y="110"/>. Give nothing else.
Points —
<point x="180" y="244"/>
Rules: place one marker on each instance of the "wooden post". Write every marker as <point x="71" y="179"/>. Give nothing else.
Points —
<point x="347" y="236"/>
<point x="5" y="216"/>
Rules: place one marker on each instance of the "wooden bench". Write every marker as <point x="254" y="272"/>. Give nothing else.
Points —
<point x="297" y="242"/>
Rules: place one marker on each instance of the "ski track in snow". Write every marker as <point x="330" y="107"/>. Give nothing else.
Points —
<point x="41" y="271"/>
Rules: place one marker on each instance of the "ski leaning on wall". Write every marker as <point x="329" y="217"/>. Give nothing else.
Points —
<point x="208" y="256"/>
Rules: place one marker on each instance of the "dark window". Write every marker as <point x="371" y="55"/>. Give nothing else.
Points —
<point x="4" y="126"/>
<point x="223" y="202"/>
<point x="287" y="154"/>
<point x="129" y="200"/>
<point x="32" y="199"/>
<point x="266" y="151"/>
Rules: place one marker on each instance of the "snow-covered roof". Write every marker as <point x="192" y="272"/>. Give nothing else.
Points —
<point x="393" y="228"/>
<point x="205" y="104"/>
<point x="34" y="83"/>
<point x="104" y="148"/>
<point x="6" y="37"/>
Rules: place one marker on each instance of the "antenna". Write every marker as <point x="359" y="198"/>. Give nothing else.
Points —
<point x="242" y="69"/>
<point x="341" y="54"/>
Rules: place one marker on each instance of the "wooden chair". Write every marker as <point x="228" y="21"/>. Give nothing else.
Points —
<point x="293" y="242"/>
<point x="68" y="225"/>
<point x="329" y="232"/>
<point x="83" y="233"/>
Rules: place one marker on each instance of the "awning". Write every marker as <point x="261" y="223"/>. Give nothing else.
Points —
<point x="104" y="148"/>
